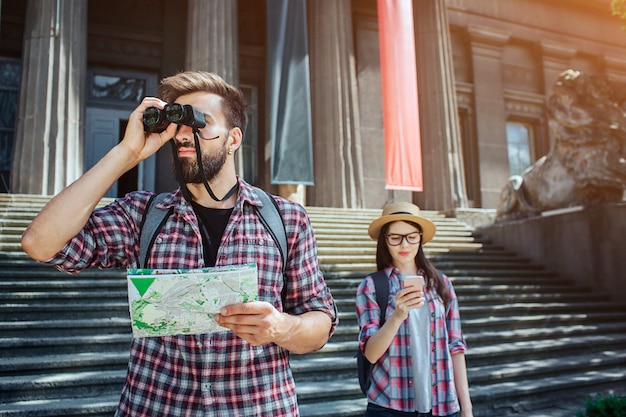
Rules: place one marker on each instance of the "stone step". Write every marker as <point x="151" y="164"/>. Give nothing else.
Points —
<point x="31" y="285"/>
<point x="35" y="346"/>
<point x="94" y="406"/>
<point x="21" y="269"/>
<point x="80" y="309"/>
<point x="351" y="279"/>
<point x="346" y="288"/>
<point x="449" y="267"/>
<point x="60" y="386"/>
<point x="546" y="349"/>
<point x="64" y="363"/>
<point x="535" y="308"/>
<point x="67" y="327"/>
<point x="515" y="328"/>
<point x="74" y="297"/>
<point x="360" y="264"/>
<point x="563" y="362"/>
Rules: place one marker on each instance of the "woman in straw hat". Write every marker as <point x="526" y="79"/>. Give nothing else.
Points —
<point x="419" y="352"/>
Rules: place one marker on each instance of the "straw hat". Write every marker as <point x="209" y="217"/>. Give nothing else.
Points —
<point x="402" y="211"/>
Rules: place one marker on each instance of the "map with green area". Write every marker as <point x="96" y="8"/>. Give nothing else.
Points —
<point x="167" y="302"/>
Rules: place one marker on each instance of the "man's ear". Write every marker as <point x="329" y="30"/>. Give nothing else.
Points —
<point x="236" y="137"/>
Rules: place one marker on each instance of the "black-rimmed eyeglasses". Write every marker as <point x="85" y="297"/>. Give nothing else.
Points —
<point x="395" y="239"/>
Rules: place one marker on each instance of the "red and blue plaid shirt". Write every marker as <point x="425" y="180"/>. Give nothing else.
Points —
<point x="216" y="374"/>
<point x="392" y="376"/>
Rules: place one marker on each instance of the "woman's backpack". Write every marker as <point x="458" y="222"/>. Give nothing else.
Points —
<point x="364" y="367"/>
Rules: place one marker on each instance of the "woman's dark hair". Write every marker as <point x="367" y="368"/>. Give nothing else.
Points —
<point x="433" y="279"/>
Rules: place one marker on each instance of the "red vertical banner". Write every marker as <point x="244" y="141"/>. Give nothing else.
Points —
<point x="403" y="152"/>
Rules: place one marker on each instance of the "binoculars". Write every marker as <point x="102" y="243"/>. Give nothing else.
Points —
<point x="156" y="120"/>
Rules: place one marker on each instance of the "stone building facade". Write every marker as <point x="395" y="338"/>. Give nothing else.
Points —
<point x="71" y="71"/>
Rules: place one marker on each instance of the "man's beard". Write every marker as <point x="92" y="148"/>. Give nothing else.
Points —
<point x="211" y="163"/>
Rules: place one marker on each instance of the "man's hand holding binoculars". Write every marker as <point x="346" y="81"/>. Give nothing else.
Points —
<point x="140" y="141"/>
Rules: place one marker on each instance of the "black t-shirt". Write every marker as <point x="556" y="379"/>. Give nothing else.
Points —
<point x="212" y="224"/>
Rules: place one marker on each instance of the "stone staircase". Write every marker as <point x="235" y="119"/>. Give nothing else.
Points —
<point x="536" y="341"/>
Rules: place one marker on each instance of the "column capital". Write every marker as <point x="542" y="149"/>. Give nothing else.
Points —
<point x="487" y="35"/>
<point x="556" y="50"/>
<point x="487" y="41"/>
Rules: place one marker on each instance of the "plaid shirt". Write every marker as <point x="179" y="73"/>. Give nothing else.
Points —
<point x="392" y="376"/>
<point x="217" y="374"/>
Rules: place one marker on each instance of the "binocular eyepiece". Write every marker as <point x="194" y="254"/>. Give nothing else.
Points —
<point x="156" y="120"/>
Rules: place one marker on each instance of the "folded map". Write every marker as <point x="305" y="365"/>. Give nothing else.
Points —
<point x="167" y="302"/>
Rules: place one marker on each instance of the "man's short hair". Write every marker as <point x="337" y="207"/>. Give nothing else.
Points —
<point x="188" y="82"/>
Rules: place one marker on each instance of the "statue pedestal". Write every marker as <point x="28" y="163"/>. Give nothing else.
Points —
<point x="584" y="244"/>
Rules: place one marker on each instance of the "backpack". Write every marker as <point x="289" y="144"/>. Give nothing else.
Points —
<point x="364" y="367"/>
<point x="154" y="218"/>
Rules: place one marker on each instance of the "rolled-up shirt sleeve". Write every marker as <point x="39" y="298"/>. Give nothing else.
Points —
<point x="456" y="341"/>
<point x="367" y="310"/>
<point x="108" y="239"/>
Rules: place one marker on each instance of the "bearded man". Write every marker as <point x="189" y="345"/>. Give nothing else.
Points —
<point x="242" y="370"/>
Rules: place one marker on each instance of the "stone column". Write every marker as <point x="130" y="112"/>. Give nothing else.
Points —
<point x="48" y="152"/>
<point x="338" y="167"/>
<point x="486" y="48"/>
<point x="212" y="41"/>
<point x="442" y="155"/>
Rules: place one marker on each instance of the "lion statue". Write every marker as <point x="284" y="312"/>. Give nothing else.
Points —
<point x="586" y="163"/>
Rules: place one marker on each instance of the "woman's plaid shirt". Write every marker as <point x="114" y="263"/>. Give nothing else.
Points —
<point x="392" y="376"/>
<point x="215" y="374"/>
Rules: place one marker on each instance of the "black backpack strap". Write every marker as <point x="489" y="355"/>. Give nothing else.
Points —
<point x="153" y="220"/>
<point x="381" y="283"/>
<point x="364" y="366"/>
<point x="273" y="222"/>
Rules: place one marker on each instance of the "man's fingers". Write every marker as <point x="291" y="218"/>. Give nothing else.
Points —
<point x="252" y="308"/>
<point x="249" y="328"/>
<point x="256" y="322"/>
<point x="239" y="319"/>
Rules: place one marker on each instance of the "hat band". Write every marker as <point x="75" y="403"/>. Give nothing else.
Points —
<point x="403" y="212"/>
